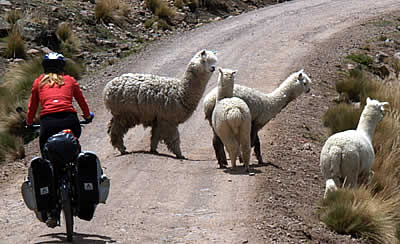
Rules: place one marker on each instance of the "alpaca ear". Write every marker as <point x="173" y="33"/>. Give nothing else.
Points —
<point x="220" y="70"/>
<point x="368" y="100"/>
<point x="300" y="77"/>
<point x="384" y="103"/>
<point x="203" y="53"/>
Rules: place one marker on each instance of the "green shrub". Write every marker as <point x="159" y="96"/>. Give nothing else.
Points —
<point x="361" y="58"/>
<point x="341" y="117"/>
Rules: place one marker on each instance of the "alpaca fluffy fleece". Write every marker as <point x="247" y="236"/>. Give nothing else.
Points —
<point x="347" y="157"/>
<point x="263" y="107"/>
<point x="231" y="119"/>
<point x="160" y="102"/>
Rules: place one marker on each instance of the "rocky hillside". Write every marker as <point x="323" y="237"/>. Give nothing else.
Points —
<point x="103" y="41"/>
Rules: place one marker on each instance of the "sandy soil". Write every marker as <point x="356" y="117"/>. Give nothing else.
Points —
<point x="159" y="199"/>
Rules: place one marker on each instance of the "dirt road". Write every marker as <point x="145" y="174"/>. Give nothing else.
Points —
<point x="159" y="199"/>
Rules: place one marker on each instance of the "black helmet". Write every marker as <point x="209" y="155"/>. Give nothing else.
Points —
<point x="53" y="63"/>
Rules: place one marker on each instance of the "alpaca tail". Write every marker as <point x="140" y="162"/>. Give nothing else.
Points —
<point x="235" y="117"/>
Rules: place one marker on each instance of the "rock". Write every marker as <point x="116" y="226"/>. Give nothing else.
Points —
<point x="380" y="70"/>
<point x="4" y="27"/>
<point x="307" y="146"/>
<point x="397" y="55"/>
<point x="382" y="57"/>
<point x="32" y="51"/>
<point x="46" y="50"/>
<point x="5" y="3"/>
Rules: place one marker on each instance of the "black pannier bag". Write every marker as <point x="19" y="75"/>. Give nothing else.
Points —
<point x="87" y="184"/>
<point x="41" y="177"/>
<point x="62" y="148"/>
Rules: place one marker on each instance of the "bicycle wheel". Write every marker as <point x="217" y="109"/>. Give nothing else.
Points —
<point x="67" y="212"/>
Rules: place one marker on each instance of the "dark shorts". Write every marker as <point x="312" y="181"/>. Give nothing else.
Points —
<point x="51" y="124"/>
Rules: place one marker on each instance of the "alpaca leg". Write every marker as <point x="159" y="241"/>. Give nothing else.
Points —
<point x="155" y="137"/>
<point x="219" y="151"/>
<point x="116" y="131"/>
<point x="232" y="146"/>
<point x="255" y="142"/>
<point x="234" y="154"/>
<point x="170" y="135"/>
<point x="245" y="150"/>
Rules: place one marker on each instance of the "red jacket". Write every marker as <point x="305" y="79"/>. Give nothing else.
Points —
<point x="56" y="99"/>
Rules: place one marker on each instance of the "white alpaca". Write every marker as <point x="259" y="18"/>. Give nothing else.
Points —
<point x="263" y="107"/>
<point x="347" y="157"/>
<point x="160" y="102"/>
<point x="231" y="119"/>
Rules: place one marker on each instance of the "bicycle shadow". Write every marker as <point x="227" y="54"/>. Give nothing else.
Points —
<point x="79" y="238"/>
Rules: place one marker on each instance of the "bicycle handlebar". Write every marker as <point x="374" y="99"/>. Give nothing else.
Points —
<point x="37" y="126"/>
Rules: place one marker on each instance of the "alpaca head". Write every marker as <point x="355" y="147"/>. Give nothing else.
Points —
<point x="225" y="83"/>
<point x="203" y="62"/>
<point x="295" y="85"/>
<point x="374" y="109"/>
<point x="304" y="80"/>
<point x="330" y="187"/>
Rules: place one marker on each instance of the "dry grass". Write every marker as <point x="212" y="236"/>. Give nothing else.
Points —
<point x="70" y="44"/>
<point x="13" y="16"/>
<point x="15" y="44"/>
<point x="361" y="214"/>
<point x="111" y="11"/>
<point x="341" y="117"/>
<point x="161" y="10"/>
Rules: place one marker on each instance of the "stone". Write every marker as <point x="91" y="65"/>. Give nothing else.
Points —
<point x="5" y="3"/>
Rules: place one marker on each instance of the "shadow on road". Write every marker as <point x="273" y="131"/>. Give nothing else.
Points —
<point x="79" y="238"/>
<point x="239" y="170"/>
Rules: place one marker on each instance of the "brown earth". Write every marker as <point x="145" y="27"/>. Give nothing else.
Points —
<point x="158" y="199"/>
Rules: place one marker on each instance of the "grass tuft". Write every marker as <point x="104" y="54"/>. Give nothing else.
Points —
<point x="111" y="11"/>
<point x="13" y="16"/>
<point x="161" y="10"/>
<point x="341" y="117"/>
<point x="15" y="44"/>
<point x="359" y="213"/>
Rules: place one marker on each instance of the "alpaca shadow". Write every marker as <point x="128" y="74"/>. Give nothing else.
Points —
<point x="239" y="170"/>
<point x="79" y="238"/>
<point x="263" y="164"/>
<point x="151" y="153"/>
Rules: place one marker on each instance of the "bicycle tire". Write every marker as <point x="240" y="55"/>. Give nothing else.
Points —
<point x="67" y="212"/>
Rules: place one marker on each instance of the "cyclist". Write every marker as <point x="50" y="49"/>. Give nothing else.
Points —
<point x="55" y="92"/>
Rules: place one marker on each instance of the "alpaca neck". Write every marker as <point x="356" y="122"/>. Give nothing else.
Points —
<point x="224" y="91"/>
<point x="281" y="97"/>
<point x="367" y="126"/>
<point x="194" y="84"/>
